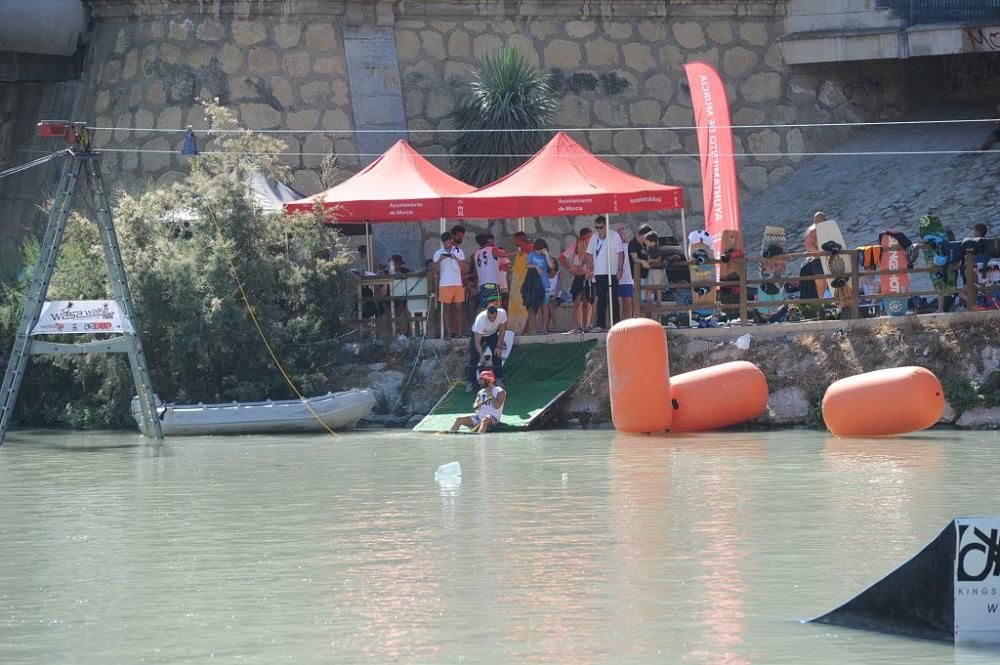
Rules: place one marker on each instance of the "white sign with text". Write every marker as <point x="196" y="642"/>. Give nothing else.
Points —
<point x="81" y="317"/>
<point x="977" y="579"/>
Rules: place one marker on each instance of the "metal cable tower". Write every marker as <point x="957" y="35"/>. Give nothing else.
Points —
<point x="81" y="164"/>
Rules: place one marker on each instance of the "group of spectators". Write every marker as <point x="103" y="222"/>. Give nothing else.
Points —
<point x="596" y="262"/>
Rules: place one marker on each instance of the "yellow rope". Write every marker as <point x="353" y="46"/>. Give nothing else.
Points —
<point x="260" y="331"/>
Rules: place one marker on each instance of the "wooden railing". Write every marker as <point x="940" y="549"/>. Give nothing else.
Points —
<point x="852" y="303"/>
<point x="407" y="304"/>
<point x="398" y="304"/>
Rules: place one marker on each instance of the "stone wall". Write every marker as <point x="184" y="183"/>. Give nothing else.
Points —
<point x="10" y="230"/>
<point x="799" y="361"/>
<point x="150" y="63"/>
<point x="617" y="64"/>
<point x="23" y="196"/>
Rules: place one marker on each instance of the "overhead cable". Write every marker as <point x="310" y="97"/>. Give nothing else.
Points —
<point x="859" y="153"/>
<point x="874" y="123"/>
<point x="14" y="170"/>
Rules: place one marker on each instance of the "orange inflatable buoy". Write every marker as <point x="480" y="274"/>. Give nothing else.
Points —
<point x="718" y="396"/>
<point x="883" y="402"/>
<point x="638" y="376"/>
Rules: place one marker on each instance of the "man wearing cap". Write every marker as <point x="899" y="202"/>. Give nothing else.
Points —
<point x="488" y="406"/>
<point x="487" y="333"/>
<point x="608" y="258"/>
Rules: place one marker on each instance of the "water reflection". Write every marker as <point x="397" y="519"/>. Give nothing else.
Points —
<point x="641" y="521"/>
<point x="688" y="494"/>
<point x="721" y="510"/>
<point x="885" y="489"/>
<point x="381" y="570"/>
<point x="551" y="567"/>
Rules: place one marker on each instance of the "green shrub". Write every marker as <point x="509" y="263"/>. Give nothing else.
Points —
<point x="960" y="392"/>
<point x="990" y="389"/>
<point x="814" y="419"/>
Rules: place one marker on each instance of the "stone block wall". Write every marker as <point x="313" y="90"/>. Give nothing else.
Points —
<point x="10" y="232"/>
<point x="617" y="65"/>
<point x="23" y="196"/>
<point x="150" y="63"/>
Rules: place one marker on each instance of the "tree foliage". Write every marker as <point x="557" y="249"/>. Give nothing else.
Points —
<point x="184" y="245"/>
<point x="507" y="92"/>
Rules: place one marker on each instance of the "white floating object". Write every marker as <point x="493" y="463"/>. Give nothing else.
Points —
<point x="743" y="342"/>
<point x="449" y="474"/>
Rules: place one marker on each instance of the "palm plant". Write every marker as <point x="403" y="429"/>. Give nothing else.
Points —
<point x="507" y="92"/>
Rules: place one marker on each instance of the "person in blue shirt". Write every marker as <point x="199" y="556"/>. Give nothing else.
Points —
<point x="539" y="261"/>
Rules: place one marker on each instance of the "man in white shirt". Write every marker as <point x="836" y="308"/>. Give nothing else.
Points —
<point x="451" y="290"/>
<point x="488" y="331"/>
<point x="488" y="406"/>
<point x="626" y="286"/>
<point x="609" y="261"/>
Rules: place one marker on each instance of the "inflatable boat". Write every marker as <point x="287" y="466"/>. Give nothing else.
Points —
<point x="339" y="411"/>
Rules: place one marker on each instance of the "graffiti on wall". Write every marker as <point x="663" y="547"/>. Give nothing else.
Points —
<point x="983" y="40"/>
<point x="866" y="86"/>
<point x="972" y="76"/>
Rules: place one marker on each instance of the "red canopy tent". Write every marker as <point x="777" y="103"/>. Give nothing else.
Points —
<point x="564" y="178"/>
<point x="399" y="186"/>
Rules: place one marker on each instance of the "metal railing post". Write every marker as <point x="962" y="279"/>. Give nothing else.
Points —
<point x="970" y="281"/>
<point x="856" y="283"/>
<point x="744" y="315"/>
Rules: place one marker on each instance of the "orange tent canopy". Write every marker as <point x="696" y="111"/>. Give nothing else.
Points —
<point x="564" y="178"/>
<point x="399" y="186"/>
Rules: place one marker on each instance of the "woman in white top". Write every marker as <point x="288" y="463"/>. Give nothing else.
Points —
<point x="576" y="260"/>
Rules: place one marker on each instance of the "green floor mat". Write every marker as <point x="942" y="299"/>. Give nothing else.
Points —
<point x="534" y="376"/>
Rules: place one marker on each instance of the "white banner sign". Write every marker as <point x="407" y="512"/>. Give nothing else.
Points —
<point x="81" y="316"/>
<point x="977" y="579"/>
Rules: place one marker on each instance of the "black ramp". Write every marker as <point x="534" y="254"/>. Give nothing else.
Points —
<point x="915" y="600"/>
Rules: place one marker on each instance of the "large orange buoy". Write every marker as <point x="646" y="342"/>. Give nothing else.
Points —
<point x="718" y="396"/>
<point x="638" y="376"/>
<point x="883" y="402"/>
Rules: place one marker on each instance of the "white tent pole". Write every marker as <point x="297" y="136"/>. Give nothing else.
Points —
<point x="368" y="243"/>
<point x="687" y="256"/>
<point x="684" y="230"/>
<point x="444" y="223"/>
<point x="520" y="224"/>
<point x="607" y="249"/>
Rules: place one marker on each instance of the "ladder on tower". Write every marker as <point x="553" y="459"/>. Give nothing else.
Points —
<point x="81" y="164"/>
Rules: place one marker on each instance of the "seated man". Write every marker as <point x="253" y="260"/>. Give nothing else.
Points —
<point x="488" y="406"/>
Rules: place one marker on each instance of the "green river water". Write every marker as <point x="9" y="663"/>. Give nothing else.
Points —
<point x="559" y="546"/>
